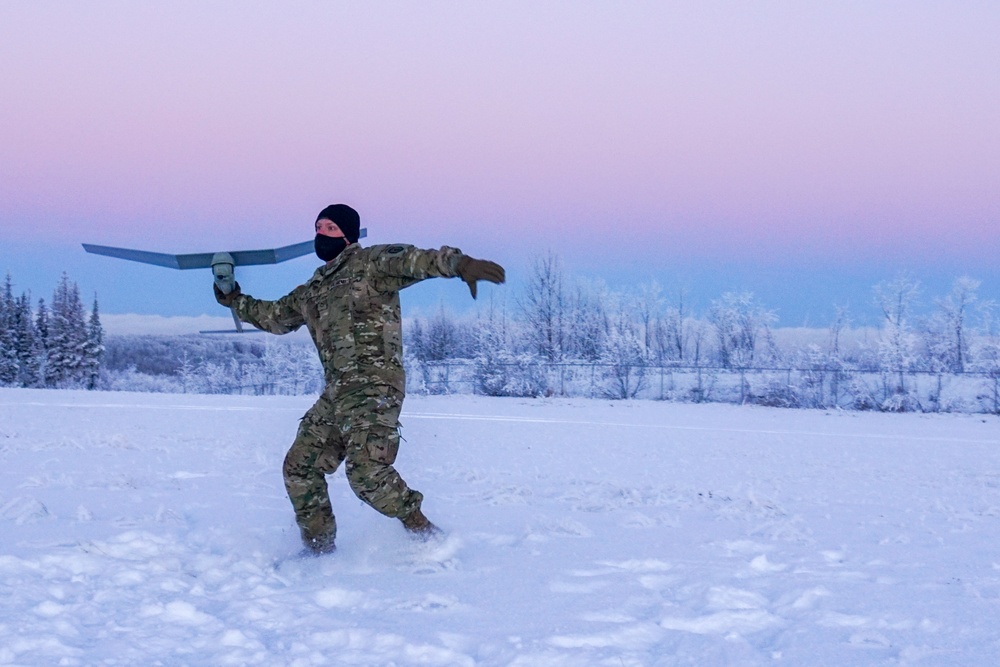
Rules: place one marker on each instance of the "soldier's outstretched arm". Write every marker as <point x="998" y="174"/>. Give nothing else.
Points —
<point x="400" y="265"/>
<point x="411" y="263"/>
<point x="277" y="317"/>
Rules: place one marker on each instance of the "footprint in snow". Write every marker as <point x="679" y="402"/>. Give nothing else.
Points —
<point x="437" y="553"/>
<point x="565" y="528"/>
<point x="23" y="510"/>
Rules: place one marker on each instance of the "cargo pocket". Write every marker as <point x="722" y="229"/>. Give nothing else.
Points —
<point x="381" y="444"/>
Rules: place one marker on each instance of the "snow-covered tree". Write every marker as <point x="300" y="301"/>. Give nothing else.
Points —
<point x="739" y="323"/>
<point x="190" y="379"/>
<point x="500" y="372"/>
<point x="623" y="355"/>
<point x="42" y="340"/>
<point x="544" y="308"/>
<point x="8" y="342"/>
<point x="27" y="344"/>
<point x="699" y="335"/>
<point x="42" y="322"/>
<point x="56" y="363"/>
<point x="896" y="299"/>
<point x="672" y="332"/>
<point x="413" y="343"/>
<point x="440" y="337"/>
<point x="948" y="328"/>
<point x="841" y="321"/>
<point x="93" y="349"/>
<point x="224" y="377"/>
<point x="497" y="322"/>
<point x="649" y="307"/>
<point x="289" y="368"/>
<point x="67" y="338"/>
<point x="588" y="321"/>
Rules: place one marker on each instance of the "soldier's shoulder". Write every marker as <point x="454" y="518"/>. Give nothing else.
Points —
<point x="387" y="250"/>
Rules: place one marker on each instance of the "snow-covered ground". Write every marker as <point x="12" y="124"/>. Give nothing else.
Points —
<point x="148" y="529"/>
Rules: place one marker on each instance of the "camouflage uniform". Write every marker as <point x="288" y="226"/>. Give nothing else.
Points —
<point x="351" y="308"/>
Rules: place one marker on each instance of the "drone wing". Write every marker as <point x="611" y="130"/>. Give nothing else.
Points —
<point x="156" y="258"/>
<point x="203" y="260"/>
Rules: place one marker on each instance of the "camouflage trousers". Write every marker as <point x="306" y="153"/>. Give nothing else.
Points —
<point x="363" y="429"/>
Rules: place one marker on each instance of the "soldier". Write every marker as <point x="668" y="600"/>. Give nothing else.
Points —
<point x="351" y="309"/>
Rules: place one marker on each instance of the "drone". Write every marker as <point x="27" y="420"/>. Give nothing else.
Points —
<point x="223" y="264"/>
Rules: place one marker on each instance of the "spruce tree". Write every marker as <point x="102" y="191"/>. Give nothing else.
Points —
<point x="76" y="340"/>
<point x="26" y="344"/>
<point x="42" y="340"/>
<point x="66" y="338"/>
<point x="94" y="348"/>
<point x="55" y="366"/>
<point x="8" y="348"/>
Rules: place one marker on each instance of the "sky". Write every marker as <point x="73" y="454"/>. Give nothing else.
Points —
<point x="800" y="151"/>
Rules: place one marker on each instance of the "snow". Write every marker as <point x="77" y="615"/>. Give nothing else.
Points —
<point x="153" y="529"/>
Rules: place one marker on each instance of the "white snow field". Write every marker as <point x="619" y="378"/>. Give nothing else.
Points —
<point x="151" y="529"/>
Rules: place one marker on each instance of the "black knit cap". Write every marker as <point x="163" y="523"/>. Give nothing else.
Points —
<point x="344" y="217"/>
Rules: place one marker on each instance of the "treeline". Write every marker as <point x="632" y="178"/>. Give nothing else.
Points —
<point x="231" y="364"/>
<point x="559" y="318"/>
<point x="54" y="345"/>
<point x="628" y="340"/>
<point x="565" y="335"/>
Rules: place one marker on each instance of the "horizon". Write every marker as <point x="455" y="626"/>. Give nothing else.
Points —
<point x="427" y="298"/>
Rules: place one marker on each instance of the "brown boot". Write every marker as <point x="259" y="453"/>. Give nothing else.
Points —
<point x="418" y="524"/>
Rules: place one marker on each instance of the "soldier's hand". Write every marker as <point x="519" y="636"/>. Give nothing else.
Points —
<point x="470" y="270"/>
<point x="226" y="299"/>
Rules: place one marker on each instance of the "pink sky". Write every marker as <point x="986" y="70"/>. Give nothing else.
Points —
<point x="839" y="131"/>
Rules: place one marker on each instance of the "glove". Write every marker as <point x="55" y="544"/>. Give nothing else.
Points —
<point x="470" y="270"/>
<point x="226" y="299"/>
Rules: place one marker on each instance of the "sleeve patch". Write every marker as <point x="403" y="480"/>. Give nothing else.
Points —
<point x="395" y="250"/>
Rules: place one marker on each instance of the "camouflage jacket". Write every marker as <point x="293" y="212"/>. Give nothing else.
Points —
<point x="351" y="308"/>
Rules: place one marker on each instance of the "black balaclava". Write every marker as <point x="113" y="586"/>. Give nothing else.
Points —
<point x="328" y="247"/>
<point x="345" y="217"/>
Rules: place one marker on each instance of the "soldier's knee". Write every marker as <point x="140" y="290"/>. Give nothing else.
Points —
<point x="370" y="481"/>
<point x="366" y="476"/>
